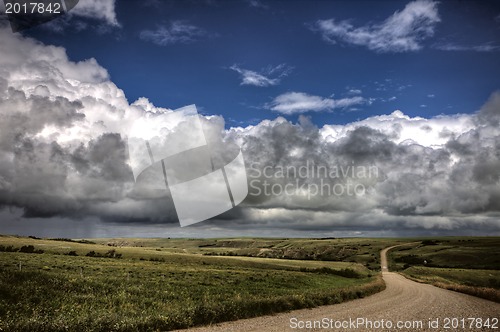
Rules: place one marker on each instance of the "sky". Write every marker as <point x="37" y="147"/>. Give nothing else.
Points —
<point x="397" y="99"/>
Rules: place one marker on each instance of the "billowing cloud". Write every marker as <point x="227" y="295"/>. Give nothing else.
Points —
<point x="300" y="102"/>
<point x="436" y="174"/>
<point x="63" y="137"/>
<point x="63" y="154"/>
<point x="402" y="129"/>
<point x="404" y="31"/>
<point x="178" y="32"/>
<point x="268" y="77"/>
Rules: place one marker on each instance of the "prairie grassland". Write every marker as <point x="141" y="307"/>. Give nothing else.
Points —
<point x="469" y="265"/>
<point x="363" y="251"/>
<point x="48" y="285"/>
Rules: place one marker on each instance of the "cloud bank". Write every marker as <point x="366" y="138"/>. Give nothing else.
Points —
<point x="63" y="154"/>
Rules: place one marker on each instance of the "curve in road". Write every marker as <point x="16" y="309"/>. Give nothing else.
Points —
<point x="404" y="305"/>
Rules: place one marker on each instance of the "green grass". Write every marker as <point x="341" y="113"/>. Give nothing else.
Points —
<point x="479" y="278"/>
<point x="150" y="288"/>
<point x="164" y="284"/>
<point x="466" y="264"/>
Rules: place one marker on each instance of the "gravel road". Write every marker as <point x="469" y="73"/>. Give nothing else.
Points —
<point x="418" y="307"/>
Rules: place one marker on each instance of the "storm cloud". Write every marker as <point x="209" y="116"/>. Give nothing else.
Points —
<point x="63" y="154"/>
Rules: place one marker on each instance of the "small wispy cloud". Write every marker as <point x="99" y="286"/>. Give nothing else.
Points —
<point x="299" y="102"/>
<point x="266" y="77"/>
<point x="257" y="4"/>
<point x="431" y="96"/>
<point x="177" y="32"/>
<point x="487" y="47"/>
<point x="402" y="32"/>
<point x="354" y="91"/>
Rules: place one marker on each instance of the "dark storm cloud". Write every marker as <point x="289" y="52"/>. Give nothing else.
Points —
<point x="25" y="116"/>
<point x="455" y="185"/>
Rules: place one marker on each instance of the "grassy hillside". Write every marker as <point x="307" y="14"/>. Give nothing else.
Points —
<point x="48" y="285"/>
<point x="466" y="264"/>
<point x="354" y="250"/>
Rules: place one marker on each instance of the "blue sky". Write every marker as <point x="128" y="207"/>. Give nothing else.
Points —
<point x="183" y="52"/>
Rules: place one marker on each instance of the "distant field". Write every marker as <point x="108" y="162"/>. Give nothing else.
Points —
<point x="354" y="250"/>
<point x="149" y="285"/>
<point x="466" y="264"/>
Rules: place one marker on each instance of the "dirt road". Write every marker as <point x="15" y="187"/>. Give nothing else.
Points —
<point x="404" y="305"/>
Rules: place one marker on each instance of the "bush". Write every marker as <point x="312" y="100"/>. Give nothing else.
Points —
<point x="29" y="249"/>
<point x="92" y="254"/>
<point x="72" y="253"/>
<point x="71" y="240"/>
<point x="112" y="254"/>
<point x="7" y="248"/>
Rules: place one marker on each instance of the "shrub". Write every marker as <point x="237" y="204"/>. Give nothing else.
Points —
<point x="7" y="248"/>
<point x="93" y="254"/>
<point x="29" y="249"/>
<point x="112" y="254"/>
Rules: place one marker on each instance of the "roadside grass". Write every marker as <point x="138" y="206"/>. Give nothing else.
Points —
<point x="469" y="265"/>
<point x="54" y="286"/>
<point x="480" y="283"/>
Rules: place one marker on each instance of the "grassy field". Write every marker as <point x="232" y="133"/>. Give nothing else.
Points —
<point x="151" y="285"/>
<point x="164" y="284"/>
<point x="351" y="250"/>
<point x="466" y="264"/>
